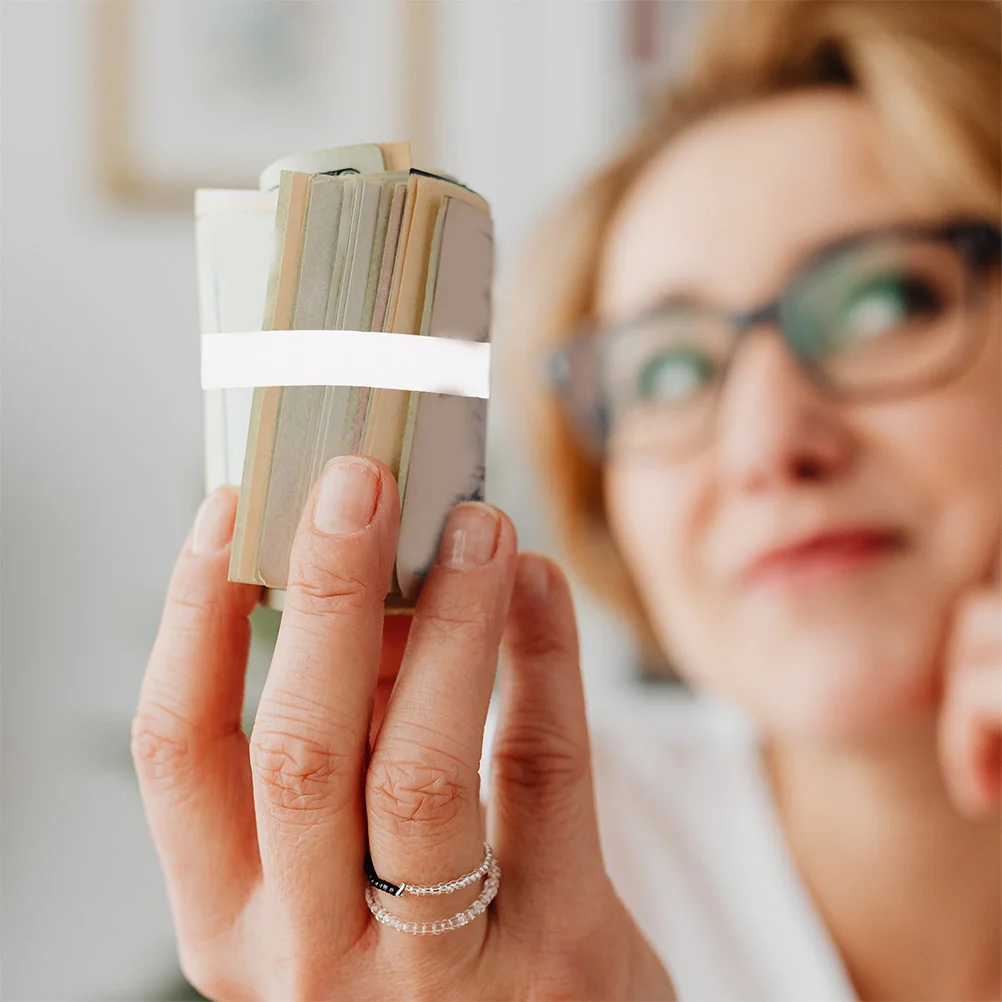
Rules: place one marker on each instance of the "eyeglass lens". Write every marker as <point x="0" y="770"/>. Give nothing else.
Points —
<point x="877" y="318"/>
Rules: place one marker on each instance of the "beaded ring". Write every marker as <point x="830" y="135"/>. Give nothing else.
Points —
<point x="439" y="926"/>
<point x="447" y="887"/>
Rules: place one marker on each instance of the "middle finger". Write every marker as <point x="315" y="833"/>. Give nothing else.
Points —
<point x="310" y="737"/>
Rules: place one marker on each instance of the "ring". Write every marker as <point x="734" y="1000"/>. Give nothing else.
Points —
<point x="439" y="926"/>
<point x="444" y="888"/>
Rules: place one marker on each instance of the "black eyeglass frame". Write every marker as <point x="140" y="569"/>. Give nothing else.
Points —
<point x="979" y="243"/>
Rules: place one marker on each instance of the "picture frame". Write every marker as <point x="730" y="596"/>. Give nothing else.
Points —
<point x="206" y="94"/>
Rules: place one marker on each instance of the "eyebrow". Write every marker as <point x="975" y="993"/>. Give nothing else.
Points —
<point x="685" y="298"/>
<point x="813" y="254"/>
<point x="810" y="257"/>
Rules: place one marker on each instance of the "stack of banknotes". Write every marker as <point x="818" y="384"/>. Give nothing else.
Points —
<point x="349" y="239"/>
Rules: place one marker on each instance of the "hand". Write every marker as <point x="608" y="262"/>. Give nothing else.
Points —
<point x="970" y="734"/>
<point x="263" y="842"/>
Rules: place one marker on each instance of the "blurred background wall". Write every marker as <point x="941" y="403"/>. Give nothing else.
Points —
<point x="111" y="114"/>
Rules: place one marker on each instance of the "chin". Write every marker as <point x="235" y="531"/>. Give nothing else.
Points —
<point x="816" y="677"/>
<point x="846" y="664"/>
<point x="848" y="689"/>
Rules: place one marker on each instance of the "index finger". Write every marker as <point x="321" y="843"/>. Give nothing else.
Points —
<point x="189" y="750"/>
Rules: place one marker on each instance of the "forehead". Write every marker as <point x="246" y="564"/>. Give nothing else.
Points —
<point x="730" y="207"/>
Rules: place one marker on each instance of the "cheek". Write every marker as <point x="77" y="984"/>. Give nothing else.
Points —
<point x="658" y="519"/>
<point x="644" y="522"/>
<point x="947" y="448"/>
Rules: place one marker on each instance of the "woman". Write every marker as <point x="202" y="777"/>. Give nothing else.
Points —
<point x="778" y="359"/>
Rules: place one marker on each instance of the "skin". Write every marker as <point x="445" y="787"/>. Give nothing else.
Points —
<point x="368" y="734"/>
<point x="878" y="686"/>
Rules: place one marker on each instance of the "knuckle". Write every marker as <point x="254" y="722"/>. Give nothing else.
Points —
<point x="314" y="589"/>
<point x="540" y="642"/>
<point x="457" y="620"/>
<point x="411" y="798"/>
<point x="162" y="746"/>
<point x="539" y="762"/>
<point x="191" y="608"/>
<point x="294" y="774"/>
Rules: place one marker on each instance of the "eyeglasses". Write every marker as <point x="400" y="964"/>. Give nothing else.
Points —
<point x="871" y="316"/>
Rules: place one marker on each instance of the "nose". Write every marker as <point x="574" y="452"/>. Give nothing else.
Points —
<point x="776" y="428"/>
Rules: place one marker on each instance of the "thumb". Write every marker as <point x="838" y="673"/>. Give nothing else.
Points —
<point x="995" y="573"/>
<point x="542" y="811"/>
<point x="988" y="587"/>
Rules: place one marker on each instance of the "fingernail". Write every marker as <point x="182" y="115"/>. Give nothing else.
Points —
<point x="213" y="523"/>
<point x="346" y="500"/>
<point x="532" y="578"/>
<point x="470" y="536"/>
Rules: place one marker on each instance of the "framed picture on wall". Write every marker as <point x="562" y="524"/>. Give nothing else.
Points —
<point x="206" y="94"/>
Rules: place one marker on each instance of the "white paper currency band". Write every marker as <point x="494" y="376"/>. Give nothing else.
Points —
<point x="346" y="358"/>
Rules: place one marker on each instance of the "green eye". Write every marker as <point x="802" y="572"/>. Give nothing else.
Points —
<point x="675" y="376"/>
<point x="846" y="308"/>
<point x="883" y="304"/>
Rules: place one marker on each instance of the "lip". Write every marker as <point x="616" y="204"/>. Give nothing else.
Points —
<point x="823" y="556"/>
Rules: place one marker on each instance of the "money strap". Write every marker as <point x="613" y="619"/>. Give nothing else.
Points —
<point x="346" y="358"/>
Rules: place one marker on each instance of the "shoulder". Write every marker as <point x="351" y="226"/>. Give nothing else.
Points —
<point x="676" y="798"/>
<point x="694" y="847"/>
<point x="677" y="790"/>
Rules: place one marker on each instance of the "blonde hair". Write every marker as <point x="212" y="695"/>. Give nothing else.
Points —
<point x="932" y="72"/>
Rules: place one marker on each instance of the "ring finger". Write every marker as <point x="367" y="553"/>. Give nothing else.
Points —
<point x="423" y="785"/>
